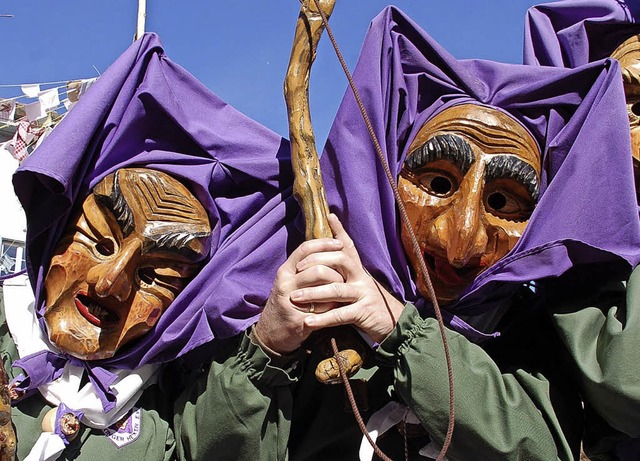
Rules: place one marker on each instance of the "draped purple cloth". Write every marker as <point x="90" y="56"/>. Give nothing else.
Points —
<point x="587" y="209"/>
<point x="147" y="111"/>
<point x="570" y="33"/>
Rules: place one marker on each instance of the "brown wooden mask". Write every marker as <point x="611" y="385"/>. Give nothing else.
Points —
<point x="469" y="185"/>
<point x="628" y="54"/>
<point x="139" y="238"/>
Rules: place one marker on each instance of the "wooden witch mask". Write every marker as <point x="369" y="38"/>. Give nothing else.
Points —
<point x="469" y="184"/>
<point x="138" y="239"/>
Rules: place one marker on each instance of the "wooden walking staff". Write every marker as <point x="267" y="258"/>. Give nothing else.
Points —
<point x="308" y="186"/>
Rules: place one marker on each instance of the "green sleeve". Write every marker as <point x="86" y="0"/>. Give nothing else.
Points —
<point x="499" y="415"/>
<point x="239" y="409"/>
<point x="602" y="335"/>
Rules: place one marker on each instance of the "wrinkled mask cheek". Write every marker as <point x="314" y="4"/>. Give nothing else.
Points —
<point x="67" y="270"/>
<point x="505" y="237"/>
<point x="421" y="211"/>
<point x="55" y="282"/>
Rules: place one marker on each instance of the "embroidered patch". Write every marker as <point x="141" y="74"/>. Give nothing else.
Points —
<point x="126" y="430"/>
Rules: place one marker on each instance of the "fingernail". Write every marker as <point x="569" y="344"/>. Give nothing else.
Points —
<point x="310" y="321"/>
<point x="296" y="294"/>
<point x="336" y="242"/>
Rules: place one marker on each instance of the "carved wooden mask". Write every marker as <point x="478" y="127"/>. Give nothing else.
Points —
<point x="138" y="239"/>
<point x="469" y="185"/>
<point x="628" y="54"/>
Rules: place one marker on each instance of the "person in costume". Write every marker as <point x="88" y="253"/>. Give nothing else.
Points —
<point x="157" y="216"/>
<point x="574" y="33"/>
<point x="554" y="215"/>
<point x="569" y="34"/>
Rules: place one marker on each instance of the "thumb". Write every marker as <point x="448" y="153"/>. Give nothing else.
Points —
<point x="341" y="234"/>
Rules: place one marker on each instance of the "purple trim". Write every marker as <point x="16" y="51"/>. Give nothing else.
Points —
<point x="45" y="366"/>
<point x="10" y="276"/>
<point x="63" y="410"/>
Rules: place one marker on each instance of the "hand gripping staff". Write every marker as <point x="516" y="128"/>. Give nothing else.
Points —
<point x="309" y="191"/>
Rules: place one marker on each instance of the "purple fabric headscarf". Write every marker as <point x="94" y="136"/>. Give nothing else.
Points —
<point x="571" y="33"/>
<point x="147" y="111"/>
<point x="587" y="209"/>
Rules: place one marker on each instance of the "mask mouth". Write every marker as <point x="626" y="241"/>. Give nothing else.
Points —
<point x="95" y="313"/>
<point x="448" y="274"/>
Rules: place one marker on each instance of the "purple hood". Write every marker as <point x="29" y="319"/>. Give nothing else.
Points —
<point x="571" y="33"/>
<point x="147" y="111"/>
<point x="587" y="210"/>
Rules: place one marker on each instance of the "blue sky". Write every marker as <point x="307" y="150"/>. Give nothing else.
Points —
<point x="238" y="48"/>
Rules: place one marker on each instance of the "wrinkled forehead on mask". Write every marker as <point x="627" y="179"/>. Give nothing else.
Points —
<point x="159" y="208"/>
<point x="490" y="129"/>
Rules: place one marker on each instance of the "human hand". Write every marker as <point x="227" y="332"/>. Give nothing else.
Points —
<point x="360" y="299"/>
<point x="281" y="326"/>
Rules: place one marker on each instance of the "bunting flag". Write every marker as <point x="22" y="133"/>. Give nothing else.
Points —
<point x="49" y="99"/>
<point x="76" y="88"/>
<point x="26" y="135"/>
<point x="35" y="111"/>
<point x="30" y="90"/>
<point x="20" y="141"/>
<point x="7" y="110"/>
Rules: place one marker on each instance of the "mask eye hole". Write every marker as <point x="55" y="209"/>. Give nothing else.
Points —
<point x="440" y="180"/>
<point x="635" y="109"/>
<point x="440" y="186"/>
<point x="147" y="275"/>
<point x="438" y="183"/>
<point x="497" y="201"/>
<point x="105" y="247"/>
<point x="508" y="200"/>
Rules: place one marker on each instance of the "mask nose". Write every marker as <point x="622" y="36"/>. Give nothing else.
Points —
<point x="460" y="230"/>
<point x="115" y="277"/>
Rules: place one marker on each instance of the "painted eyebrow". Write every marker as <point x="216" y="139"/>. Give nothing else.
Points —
<point x="179" y="242"/>
<point x="442" y="147"/>
<point x="118" y="206"/>
<point x="509" y="166"/>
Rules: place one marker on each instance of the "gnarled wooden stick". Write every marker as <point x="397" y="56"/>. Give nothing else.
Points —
<point x="308" y="187"/>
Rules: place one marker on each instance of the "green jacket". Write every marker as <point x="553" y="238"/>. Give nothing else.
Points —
<point x="518" y="397"/>
<point x="554" y="375"/>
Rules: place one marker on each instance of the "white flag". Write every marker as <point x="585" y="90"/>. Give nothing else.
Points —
<point x="68" y="104"/>
<point x="49" y="99"/>
<point x="86" y="84"/>
<point x="34" y="111"/>
<point x="31" y="90"/>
